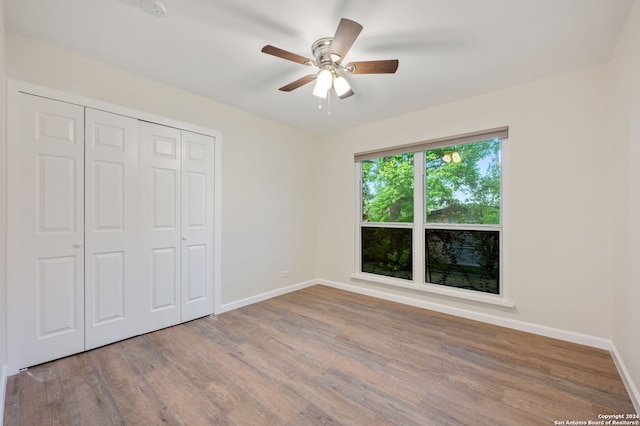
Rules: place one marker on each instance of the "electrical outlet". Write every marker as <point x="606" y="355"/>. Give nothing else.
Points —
<point x="284" y="274"/>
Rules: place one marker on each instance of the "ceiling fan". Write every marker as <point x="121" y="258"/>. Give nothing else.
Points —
<point x="329" y="53"/>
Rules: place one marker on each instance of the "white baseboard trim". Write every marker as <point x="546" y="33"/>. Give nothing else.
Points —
<point x="264" y="296"/>
<point x="634" y="394"/>
<point x="3" y="389"/>
<point x="570" y="336"/>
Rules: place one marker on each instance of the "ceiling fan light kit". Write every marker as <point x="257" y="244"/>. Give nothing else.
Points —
<point x="328" y="53"/>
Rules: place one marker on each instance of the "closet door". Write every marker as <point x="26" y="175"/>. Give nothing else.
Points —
<point x="197" y="225"/>
<point x="160" y="190"/>
<point x="51" y="229"/>
<point x="111" y="215"/>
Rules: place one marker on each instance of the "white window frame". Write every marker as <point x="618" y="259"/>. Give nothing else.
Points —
<point x="419" y="225"/>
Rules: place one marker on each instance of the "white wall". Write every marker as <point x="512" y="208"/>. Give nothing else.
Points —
<point x="3" y="239"/>
<point x="267" y="201"/>
<point x="556" y="214"/>
<point x="625" y="194"/>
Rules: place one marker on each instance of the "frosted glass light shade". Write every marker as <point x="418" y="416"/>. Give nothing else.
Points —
<point x="341" y="85"/>
<point x="323" y="84"/>
<point x="320" y="91"/>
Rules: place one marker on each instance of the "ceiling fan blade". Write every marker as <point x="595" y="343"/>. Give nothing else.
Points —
<point x="280" y="53"/>
<point x="374" y="67"/>
<point x="344" y="38"/>
<point x="299" y="82"/>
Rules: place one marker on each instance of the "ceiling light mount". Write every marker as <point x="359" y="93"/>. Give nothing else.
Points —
<point x="154" y="7"/>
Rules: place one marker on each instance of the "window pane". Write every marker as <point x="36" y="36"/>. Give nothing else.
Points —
<point x="463" y="259"/>
<point x="387" y="251"/>
<point x="387" y="189"/>
<point x="463" y="183"/>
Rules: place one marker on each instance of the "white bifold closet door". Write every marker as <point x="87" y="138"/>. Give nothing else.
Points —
<point x="176" y="221"/>
<point x="112" y="290"/>
<point x="115" y="227"/>
<point x="160" y="239"/>
<point x="51" y="224"/>
<point x="197" y="225"/>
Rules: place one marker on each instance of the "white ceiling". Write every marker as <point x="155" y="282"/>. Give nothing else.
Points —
<point x="448" y="49"/>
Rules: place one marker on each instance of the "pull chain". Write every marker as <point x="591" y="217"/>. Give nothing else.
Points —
<point x="328" y="104"/>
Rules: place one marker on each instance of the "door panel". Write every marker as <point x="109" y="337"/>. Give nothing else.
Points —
<point x="56" y="193"/>
<point x="109" y="195"/>
<point x="163" y="281"/>
<point x="164" y="202"/>
<point x="197" y="225"/>
<point x="56" y="295"/>
<point x="159" y="169"/>
<point x="51" y="269"/>
<point x="112" y="288"/>
<point x="196" y="214"/>
<point x="196" y="273"/>
<point x="165" y="146"/>
<point x="56" y="128"/>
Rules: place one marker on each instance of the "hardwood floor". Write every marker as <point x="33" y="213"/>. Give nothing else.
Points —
<point x="323" y="356"/>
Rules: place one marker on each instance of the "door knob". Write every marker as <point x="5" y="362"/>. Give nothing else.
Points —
<point x="77" y="245"/>
<point x="184" y="238"/>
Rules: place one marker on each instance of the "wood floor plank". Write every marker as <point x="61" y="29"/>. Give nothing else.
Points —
<point x="274" y="399"/>
<point x="184" y="401"/>
<point x="85" y="392"/>
<point x="322" y="356"/>
<point x="215" y="380"/>
<point x="135" y="397"/>
<point x="291" y="369"/>
<point x="384" y="405"/>
<point x="39" y="388"/>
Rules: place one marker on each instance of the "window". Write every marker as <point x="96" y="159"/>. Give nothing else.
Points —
<point x="431" y="213"/>
<point x="387" y="216"/>
<point x="467" y="259"/>
<point x="387" y="251"/>
<point x="462" y="216"/>
<point x="462" y="183"/>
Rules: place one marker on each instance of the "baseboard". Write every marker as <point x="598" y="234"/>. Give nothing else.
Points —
<point x="570" y="336"/>
<point x="634" y="394"/>
<point x="3" y="389"/>
<point x="264" y="296"/>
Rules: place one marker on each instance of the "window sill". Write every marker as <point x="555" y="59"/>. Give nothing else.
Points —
<point x="435" y="289"/>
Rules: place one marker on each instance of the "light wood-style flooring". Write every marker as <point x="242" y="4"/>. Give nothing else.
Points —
<point x="323" y="356"/>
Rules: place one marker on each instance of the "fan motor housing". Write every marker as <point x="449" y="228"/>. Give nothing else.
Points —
<point x="320" y="50"/>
